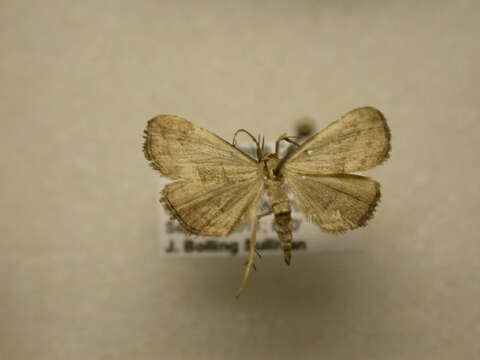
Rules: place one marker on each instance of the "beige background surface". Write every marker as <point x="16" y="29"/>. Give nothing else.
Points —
<point x="80" y="272"/>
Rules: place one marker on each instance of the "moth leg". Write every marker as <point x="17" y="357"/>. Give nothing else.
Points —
<point x="285" y="137"/>
<point x="252" y="250"/>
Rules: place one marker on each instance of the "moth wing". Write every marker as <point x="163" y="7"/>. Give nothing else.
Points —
<point x="181" y="150"/>
<point x="212" y="208"/>
<point x="335" y="202"/>
<point x="358" y="141"/>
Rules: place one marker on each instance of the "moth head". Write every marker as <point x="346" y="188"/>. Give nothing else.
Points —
<point x="269" y="156"/>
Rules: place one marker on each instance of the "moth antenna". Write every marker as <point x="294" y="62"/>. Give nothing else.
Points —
<point x="259" y="149"/>
<point x="234" y="142"/>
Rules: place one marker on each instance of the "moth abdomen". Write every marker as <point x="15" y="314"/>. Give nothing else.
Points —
<point x="280" y="205"/>
<point x="283" y="228"/>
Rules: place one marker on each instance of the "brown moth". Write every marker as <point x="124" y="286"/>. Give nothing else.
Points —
<point x="219" y="186"/>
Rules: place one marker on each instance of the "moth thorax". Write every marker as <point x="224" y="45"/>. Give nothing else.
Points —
<point x="271" y="162"/>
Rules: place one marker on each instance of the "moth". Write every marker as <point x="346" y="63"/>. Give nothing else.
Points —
<point x="219" y="187"/>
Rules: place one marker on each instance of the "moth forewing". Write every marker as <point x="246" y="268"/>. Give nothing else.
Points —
<point x="357" y="141"/>
<point x="180" y="150"/>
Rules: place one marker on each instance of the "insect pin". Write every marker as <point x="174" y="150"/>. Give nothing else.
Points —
<point x="219" y="187"/>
